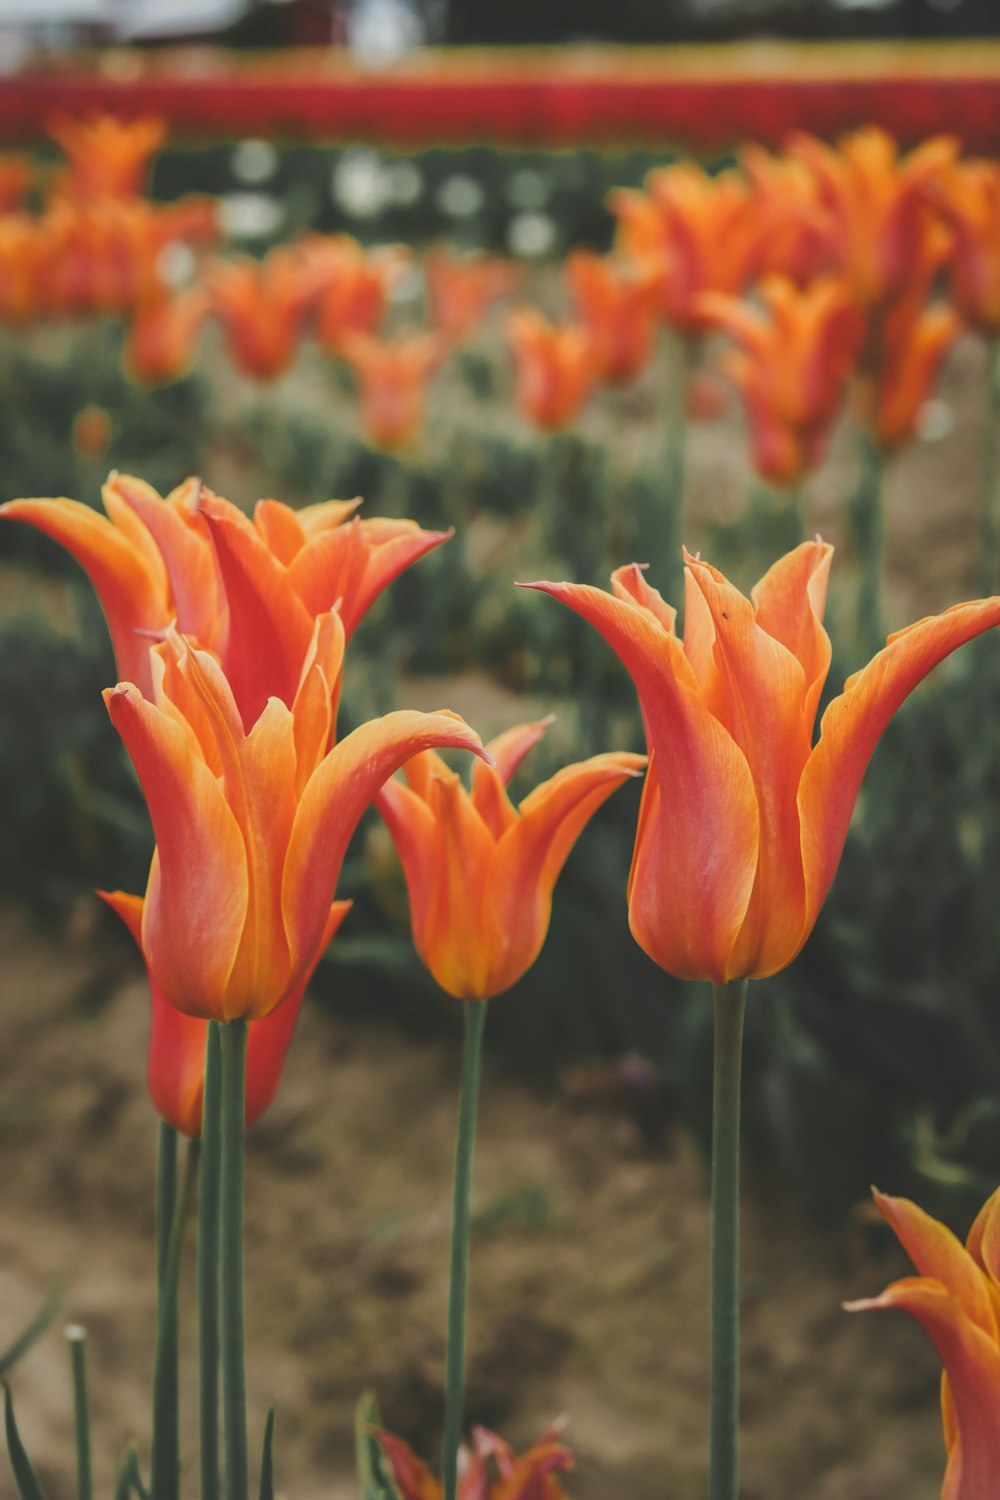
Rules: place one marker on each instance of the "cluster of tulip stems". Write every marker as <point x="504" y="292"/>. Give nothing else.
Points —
<point x="229" y="635"/>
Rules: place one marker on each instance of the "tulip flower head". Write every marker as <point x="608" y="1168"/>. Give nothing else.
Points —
<point x="956" y="1296"/>
<point x="555" y="368"/>
<point x="249" y="591"/>
<point x="743" y="819"/>
<point x="393" y="375"/>
<point x="108" y="157"/>
<point x="616" y="302"/>
<point x="461" y="289"/>
<point x="700" y="232"/>
<point x="480" y="872"/>
<point x="162" y="333"/>
<point x="798" y="349"/>
<point x="969" y="199"/>
<point x="354" y="285"/>
<point x="262" y="306"/>
<point x="251" y="825"/>
<point x="175" y="1069"/>
<point x="491" y="1471"/>
<point x="915" y="342"/>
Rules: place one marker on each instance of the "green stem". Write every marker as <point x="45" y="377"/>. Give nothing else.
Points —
<point x="991" y="463"/>
<point x="77" y="1340"/>
<point x="866" y="523"/>
<point x="166" y="1195"/>
<point x="208" y="1270"/>
<point x="674" y="465"/>
<point x="166" y="1445"/>
<point x="475" y="1021"/>
<point x="233" y="1047"/>
<point x="730" y="1002"/>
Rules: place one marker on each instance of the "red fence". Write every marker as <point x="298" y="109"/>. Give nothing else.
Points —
<point x="701" y="98"/>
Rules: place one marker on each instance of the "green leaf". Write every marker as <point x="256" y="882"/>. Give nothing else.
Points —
<point x="267" y="1458"/>
<point x="24" y="1475"/>
<point x="374" y="1474"/>
<point x="35" y="1329"/>
<point x="135" y="1473"/>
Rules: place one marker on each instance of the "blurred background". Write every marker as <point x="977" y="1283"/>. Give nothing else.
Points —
<point x="340" y="262"/>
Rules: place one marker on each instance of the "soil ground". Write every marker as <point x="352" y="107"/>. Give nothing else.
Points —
<point x="589" y="1271"/>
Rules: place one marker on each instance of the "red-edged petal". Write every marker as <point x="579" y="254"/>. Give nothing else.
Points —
<point x="697" y="843"/>
<point x="972" y="1363"/>
<point x="183" y="544"/>
<point x="198" y="892"/>
<point x="851" y="729"/>
<point x="414" y="1479"/>
<point x="336" y="795"/>
<point x="489" y="783"/>
<point x="789" y="601"/>
<point x="936" y="1253"/>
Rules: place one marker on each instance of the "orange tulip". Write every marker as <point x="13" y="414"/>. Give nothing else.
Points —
<point x="480" y="873"/>
<point x="616" y="303"/>
<point x="914" y="344"/>
<point x="22" y="296"/>
<point x="555" y="368"/>
<point x="393" y="375"/>
<point x="881" y="221"/>
<point x="956" y="1296"/>
<point x="108" y="157"/>
<point x="798" y="349"/>
<point x="176" y="1066"/>
<point x="530" y="1477"/>
<point x="251" y="827"/>
<point x="969" y="198"/>
<point x="262" y="306"/>
<point x="701" y="233"/>
<point x="249" y="591"/>
<point x="795" y="229"/>
<point x="161" y="335"/>
<point x="743" y="820"/>
<point x="353" y="285"/>
<point x="461" y="289"/>
<point x="91" y="433"/>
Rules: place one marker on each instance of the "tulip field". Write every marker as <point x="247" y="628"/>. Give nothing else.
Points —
<point x="536" y="1031"/>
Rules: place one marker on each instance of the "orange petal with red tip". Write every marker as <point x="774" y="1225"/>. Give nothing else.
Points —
<point x="186" y="552"/>
<point x="936" y="1253"/>
<point x="697" y="846"/>
<point x="531" y="1476"/>
<point x="851" y="728"/>
<point x="972" y="1363"/>
<point x="414" y="1479"/>
<point x="340" y="789"/>
<point x="198" y="892"/>
<point x="131" y="592"/>
<point x="630" y="583"/>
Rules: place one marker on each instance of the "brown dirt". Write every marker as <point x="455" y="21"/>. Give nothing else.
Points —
<point x="589" y="1271"/>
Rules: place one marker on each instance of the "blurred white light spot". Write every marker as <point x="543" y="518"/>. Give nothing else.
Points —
<point x="527" y="189"/>
<point x="254" y="161"/>
<point x="936" y="420"/>
<point x="404" y="182"/>
<point x="176" y="264"/>
<point x="530" y="236"/>
<point x="459" y="196"/>
<point x="409" y="287"/>
<point x="358" y="184"/>
<point x="250" y="216"/>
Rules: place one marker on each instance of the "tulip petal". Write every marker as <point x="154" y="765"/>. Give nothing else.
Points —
<point x="789" y="601"/>
<point x="187" y="555"/>
<point x="280" y="528"/>
<point x="489" y="783"/>
<point x="851" y="729"/>
<point x="972" y="1364"/>
<point x="269" y="630"/>
<point x="696" y="847"/>
<point x="937" y="1254"/>
<point x="414" y="832"/>
<point x="198" y="893"/>
<point x="340" y="789"/>
<point x="762" y="705"/>
<point x="529" y="857"/>
<point x="131" y="593"/>
<point x="413" y="1478"/>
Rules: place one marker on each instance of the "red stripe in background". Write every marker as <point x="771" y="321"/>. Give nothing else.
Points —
<point x="636" y="103"/>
